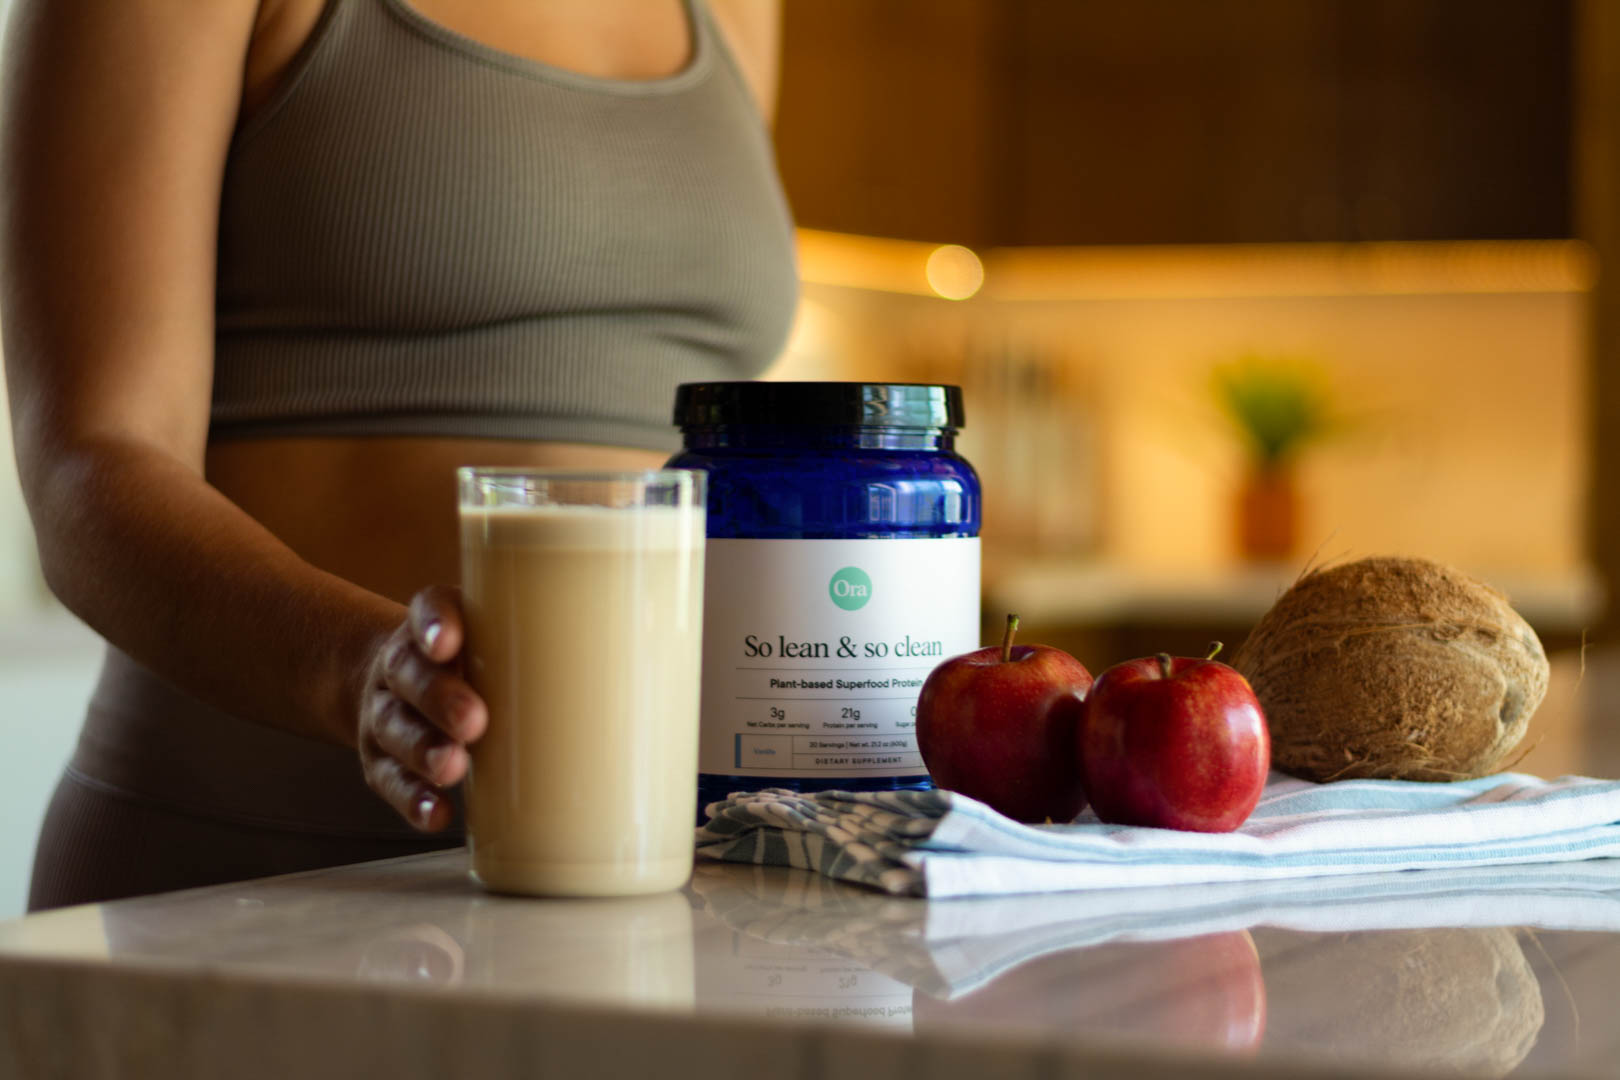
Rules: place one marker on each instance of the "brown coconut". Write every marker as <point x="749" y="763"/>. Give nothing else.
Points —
<point x="1393" y="668"/>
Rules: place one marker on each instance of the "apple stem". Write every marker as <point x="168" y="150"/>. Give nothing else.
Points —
<point x="1214" y="649"/>
<point x="1006" y="639"/>
<point x="1164" y="663"/>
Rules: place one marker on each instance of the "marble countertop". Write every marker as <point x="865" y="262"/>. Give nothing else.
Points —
<point x="406" y="969"/>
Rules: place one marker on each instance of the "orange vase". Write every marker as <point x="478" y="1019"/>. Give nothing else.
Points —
<point x="1268" y="514"/>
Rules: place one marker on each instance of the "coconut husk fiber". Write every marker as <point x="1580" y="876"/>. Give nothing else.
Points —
<point x="1393" y="668"/>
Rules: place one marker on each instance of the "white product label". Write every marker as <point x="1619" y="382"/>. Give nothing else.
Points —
<point x="814" y="651"/>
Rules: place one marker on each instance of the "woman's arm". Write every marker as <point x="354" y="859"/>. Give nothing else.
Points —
<point x="117" y="118"/>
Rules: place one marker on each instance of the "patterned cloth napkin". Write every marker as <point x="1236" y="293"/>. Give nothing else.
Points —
<point x="942" y="844"/>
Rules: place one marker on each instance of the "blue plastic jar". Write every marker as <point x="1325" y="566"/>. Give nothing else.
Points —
<point x="842" y="567"/>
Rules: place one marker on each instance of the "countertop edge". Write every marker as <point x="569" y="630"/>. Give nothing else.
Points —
<point x="73" y="1017"/>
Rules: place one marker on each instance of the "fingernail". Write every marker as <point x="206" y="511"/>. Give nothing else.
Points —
<point x="435" y="759"/>
<point x="430" y="633"/>
<point x="424" y="808"/>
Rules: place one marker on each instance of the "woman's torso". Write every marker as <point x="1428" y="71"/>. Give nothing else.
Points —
<point x="379" y="509"/>
<point x="378" y="506"/>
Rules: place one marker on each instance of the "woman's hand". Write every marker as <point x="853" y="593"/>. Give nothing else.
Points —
<point x="417" y="714"/>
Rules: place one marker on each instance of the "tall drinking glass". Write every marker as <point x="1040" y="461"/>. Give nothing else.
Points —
<point x="584" y="602"/>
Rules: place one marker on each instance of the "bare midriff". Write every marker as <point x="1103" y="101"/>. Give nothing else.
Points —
<point x="380" y="511"/>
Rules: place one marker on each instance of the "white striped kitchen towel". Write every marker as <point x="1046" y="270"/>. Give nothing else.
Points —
<point x="942" y="844"/>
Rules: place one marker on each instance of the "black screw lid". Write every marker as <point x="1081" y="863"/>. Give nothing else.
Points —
<point x="833" y="404"/>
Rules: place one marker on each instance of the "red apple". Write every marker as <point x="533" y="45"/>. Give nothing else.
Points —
<point x="1177" y="743"/>
<point x="998" y="725"/>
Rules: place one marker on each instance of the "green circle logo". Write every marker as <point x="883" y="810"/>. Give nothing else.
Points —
<point x="850" y="588"/>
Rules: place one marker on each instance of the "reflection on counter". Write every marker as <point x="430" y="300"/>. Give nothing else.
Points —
<point x="635" y="951"/>
<point x="1399" y="969"/>
<point x="1481" y="971"/>
<point x="420" y="953"/>
<point x="1197" y="993"/>
<point x="789" y="946"/>
<point x="1462" y="1000"/>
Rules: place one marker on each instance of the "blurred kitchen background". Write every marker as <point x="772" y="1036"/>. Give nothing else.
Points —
<point x="1232" y="286"/>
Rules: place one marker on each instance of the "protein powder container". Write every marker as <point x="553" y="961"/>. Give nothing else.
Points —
<point x="842" y="566"/>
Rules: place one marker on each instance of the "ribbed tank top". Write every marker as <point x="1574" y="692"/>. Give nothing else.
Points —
<point x="423" y="235"/>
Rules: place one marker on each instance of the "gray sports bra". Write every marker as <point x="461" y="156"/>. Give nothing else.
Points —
<point x="420" y="234"/>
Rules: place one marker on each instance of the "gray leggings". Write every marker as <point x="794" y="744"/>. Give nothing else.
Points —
<point x="100" y="844"/>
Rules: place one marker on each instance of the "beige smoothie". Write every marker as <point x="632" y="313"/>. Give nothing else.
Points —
<point x="584" y="629"/>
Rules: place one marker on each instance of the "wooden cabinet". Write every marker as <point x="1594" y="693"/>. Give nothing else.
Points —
<point x="1003" y="122"/>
